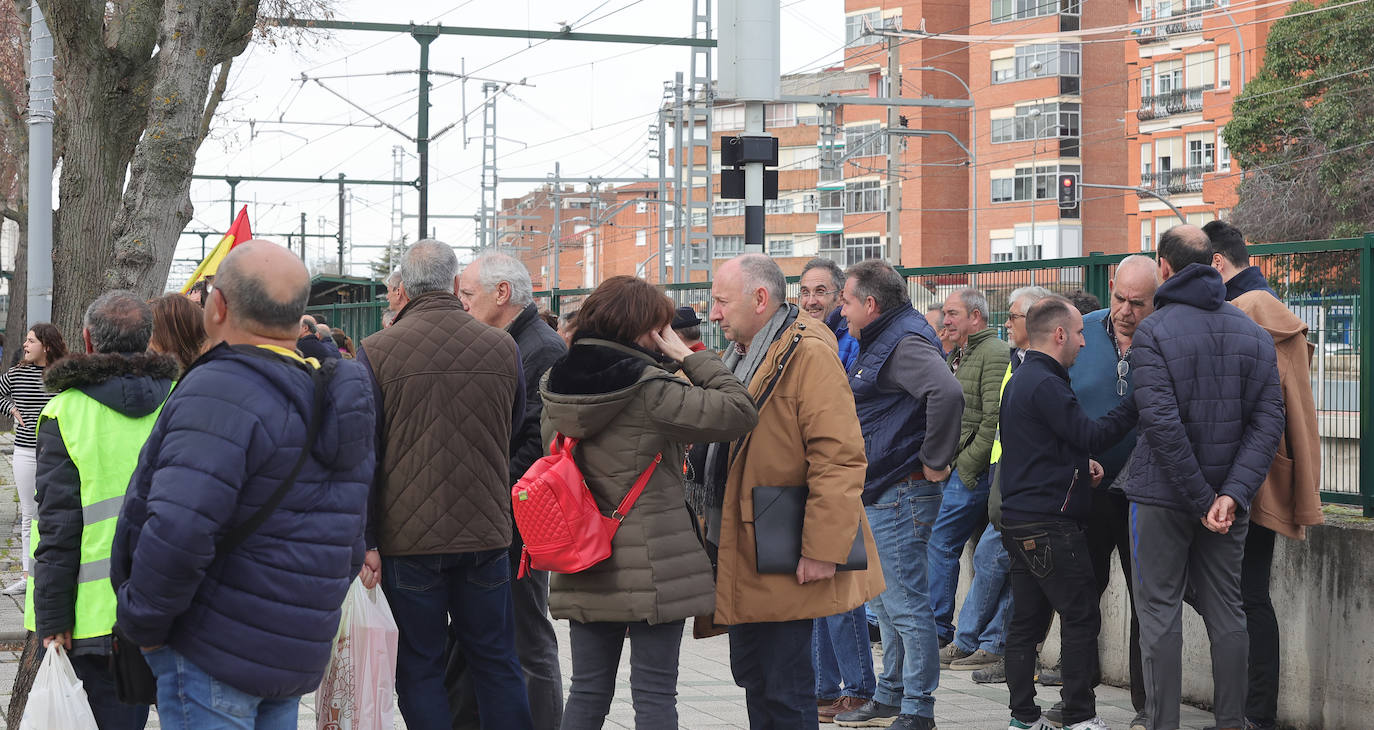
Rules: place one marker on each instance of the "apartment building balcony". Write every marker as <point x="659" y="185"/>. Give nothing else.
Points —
<point x="1174" y="182"/>
<point x="1179" y="101"/>
<point x="829" y="220"/>
<point x="1182" y="26"/>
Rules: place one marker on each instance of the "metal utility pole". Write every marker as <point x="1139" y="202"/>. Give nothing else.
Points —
<point x="341" y="225"/>
<point x="302" y="237"/>
<point x="40" y="167"/>
<point x="557" y="222"/>
<point x="424" y="35"/>
<point x="684" y="217"/>
<point x="894" y="195"/>
<point x="662" y="184"/>
<point x="486" y="227"/>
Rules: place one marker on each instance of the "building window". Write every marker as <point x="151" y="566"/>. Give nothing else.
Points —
<point x="726" y="208"/>
<point x="865" y="140"/>
<point x="1054" y="120"/>
<point x="641" y="237"/>
<point x="998" y="258"/>
<point x="1224" y="66"/>
<point x="862" y="248"/>
<point x="1002" y="190"/>
<point x="779" y="115"/>
<point x="727" y="247"/>
<point x="832" y="247"/>
<point x="1006" y="10"/>
<point x="1223" y="153"/>
<point x="779" y="247"/>
<point x="1201" y="154"/>
<point x="1039" y="60"/>
<point x="1028" y="252"/>
<point x="698" y="218"/>
<point x="726" y="118"/>
<point x="865" y="196"/>
<point x="1043" y="181"/>
<point x="781" y="206"/>
<point x="810" y="203"/>
<point x="854" y="35"/>
<point x="641" y="207"/>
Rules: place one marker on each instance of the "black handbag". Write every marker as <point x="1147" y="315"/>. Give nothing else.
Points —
<point x="134" y="682"/>
<point x="779" y="513"/>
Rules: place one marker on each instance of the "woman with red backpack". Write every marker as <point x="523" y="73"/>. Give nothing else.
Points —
<point x="617" y="392"/>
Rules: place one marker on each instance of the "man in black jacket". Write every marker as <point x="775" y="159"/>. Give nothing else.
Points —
<point x="308" y="341"/>
<point x="1047" y="481"/>
<point x="496" y="290"/>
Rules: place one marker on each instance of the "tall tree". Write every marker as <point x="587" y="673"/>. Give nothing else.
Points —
<point x="1304" y="128"/>
<point x="14" y="168"/>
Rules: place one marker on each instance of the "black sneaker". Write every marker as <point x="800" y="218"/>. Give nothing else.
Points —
<point x="995" y="674"/>
<point x="872" y="714"/>
<point x="913" y="722"/>
<point x="1055" y="715"/>
<point x="1050" y="677"/>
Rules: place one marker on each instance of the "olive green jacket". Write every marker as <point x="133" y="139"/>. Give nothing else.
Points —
<point x="982" y="363"/>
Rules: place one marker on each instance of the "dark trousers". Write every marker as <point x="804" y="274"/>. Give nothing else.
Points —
<point x="1051" y="572"/>
<point x="110" y="714"/>
<point x="596" y="649"/>
<point x="470" y="591"/>
<point x="535" y="644"/>
<point x="1108" y="530"/>
<point x="1262" y="697"/>
<point x="772" y="662"/>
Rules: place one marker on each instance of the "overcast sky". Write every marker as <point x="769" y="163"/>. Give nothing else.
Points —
<point x="588" y="105"/>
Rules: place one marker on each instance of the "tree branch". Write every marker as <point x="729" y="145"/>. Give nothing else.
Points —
<point x="216" y="94"/>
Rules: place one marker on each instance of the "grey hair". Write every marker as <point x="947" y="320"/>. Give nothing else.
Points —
<point x="759" y="271"/>
<point x="324" y="329"/>
<point x="876" y="278"/>
<point x="494" y="268"/>
<point x="820" y="262"/>
<point x="974" y="301"/>
<point x="249" y="301"/>
<point x="119" y="321"/>
<point x="1031" y="294"/>
<point x="428" y="266"/>
<point x="393" y="279"/>
<point x="1140" y="260"/>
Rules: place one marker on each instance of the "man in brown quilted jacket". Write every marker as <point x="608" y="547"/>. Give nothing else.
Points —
<point x="450" y="390"/>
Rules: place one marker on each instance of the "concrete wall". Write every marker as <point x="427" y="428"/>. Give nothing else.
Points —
<point x="1323" y="591"/>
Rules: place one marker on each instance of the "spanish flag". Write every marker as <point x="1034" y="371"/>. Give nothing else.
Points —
<point x="238" y="233"/>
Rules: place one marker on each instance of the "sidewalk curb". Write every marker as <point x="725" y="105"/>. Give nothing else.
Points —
<point x="11" y="637"/>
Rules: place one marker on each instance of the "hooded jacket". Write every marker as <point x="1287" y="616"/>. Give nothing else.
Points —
<point x="624" y="408"/>
<point x="982" y="363"/>
<point x="262" y="618"/>
<point x="130" y="388"/>
<point x="1207" y="388"/>
<point x="1289" y="500"/>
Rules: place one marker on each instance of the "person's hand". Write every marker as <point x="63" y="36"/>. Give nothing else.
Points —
<point x="933" y="475"/>
<point x="809" y="570"/>
<point x="17" y="416"/>
<point x="1222" y="513"/>
<point x="64" y="638"/>
<point x="1096" y="471"/>
<point x="371" y="574"/>
<point x="670" y="344"/>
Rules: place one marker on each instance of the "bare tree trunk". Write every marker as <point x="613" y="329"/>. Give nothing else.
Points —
<point x="23" y="681"/>
<point x="16" y="319"/>
<point x="195" y="38"/>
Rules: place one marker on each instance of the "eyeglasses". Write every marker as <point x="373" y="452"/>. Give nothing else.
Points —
<point x="1123" y="368"/>
<point x="1013" y="316"/>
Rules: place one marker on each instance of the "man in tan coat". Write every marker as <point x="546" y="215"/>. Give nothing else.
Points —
<point x="807" y="437"/>
<point x="1288" y="500"/>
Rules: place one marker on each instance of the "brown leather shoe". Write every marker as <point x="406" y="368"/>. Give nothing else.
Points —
<point x="824" y="702"/>
<point x="843" y="704"/>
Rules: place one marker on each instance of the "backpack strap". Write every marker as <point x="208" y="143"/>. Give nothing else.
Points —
<point x="629" y="501"/>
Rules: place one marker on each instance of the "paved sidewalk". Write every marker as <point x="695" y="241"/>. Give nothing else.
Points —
<point x="707" y="695"/>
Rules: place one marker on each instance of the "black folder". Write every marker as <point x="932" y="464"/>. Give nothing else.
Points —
<point x="778" y="516"/>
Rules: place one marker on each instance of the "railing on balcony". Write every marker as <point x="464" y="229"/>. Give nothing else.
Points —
<point x="1178" y="101"/>
<point x="1174" y="182"/>
<point x="1183" y="25"/>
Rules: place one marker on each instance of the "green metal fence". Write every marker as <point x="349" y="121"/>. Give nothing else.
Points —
<point x="1321" y="281"/>
<point x="356" y="319"/>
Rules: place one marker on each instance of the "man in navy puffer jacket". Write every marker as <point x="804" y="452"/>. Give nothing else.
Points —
<point x="240" y="636"/>
<point x="1211" y="414"/>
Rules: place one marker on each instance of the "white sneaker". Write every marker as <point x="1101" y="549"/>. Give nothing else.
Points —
<point x="1040" y="724"/>
<point x="16" y="588"/>
<point x="1094" y="724"/>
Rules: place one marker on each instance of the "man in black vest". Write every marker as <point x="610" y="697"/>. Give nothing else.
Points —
<point x="909" y="406"/>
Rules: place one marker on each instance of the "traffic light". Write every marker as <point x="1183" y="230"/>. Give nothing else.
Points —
<point x="1068" y="192"/>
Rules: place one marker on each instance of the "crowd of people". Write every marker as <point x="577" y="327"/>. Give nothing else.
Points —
<point x="207" y="479"/>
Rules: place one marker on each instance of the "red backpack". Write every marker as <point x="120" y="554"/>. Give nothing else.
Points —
<point x="563" y="530"/>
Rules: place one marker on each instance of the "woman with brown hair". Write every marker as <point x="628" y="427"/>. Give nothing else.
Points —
<point x="178" y="329"/>
<point x="23" y="396"/>
<point x="617" y="394"/>
<point x="343" y="342"/>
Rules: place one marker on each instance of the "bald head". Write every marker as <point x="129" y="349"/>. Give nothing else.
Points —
<point x="745" y="292"/>
<point x="264" y="288"/>
<point x="1183" y="245"/>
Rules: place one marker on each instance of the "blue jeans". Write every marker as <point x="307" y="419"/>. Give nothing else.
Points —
<point x="472" y="592"/>
<point x="190" y="699"/>
<point x="843" y="655"/>
<point x="901" y="519"/>
<point x="962" y="510"/>
<point x="987" y="607"/>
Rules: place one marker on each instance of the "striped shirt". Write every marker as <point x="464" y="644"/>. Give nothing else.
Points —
<point x="22" y="386"/>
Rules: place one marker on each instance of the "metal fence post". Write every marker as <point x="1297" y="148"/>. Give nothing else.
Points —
<point x="1366" y="319"/>
<point x="1097" y="278"/>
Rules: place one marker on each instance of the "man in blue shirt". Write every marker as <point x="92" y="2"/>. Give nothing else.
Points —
<point x="822" y="280"/>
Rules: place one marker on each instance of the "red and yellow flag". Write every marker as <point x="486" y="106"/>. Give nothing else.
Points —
<point x="238" y="233"/>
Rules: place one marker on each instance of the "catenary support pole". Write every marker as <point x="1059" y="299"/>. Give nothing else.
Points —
<point x="424" y="36"/>
<point x="341" y="225"/>
<point x="40" y="168"/>
<point x="894" y="179"/>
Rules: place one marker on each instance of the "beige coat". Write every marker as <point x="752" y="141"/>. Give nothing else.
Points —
<point x="807" y="435"/>
<point x="1289" y="499"/>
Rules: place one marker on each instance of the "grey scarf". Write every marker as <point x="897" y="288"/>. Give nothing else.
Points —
<point x="707" y="496"/>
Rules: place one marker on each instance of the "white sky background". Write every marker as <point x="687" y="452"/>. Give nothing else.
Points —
<point x="590" y="107"/>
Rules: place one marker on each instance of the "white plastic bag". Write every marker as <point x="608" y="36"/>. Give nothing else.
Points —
<point x="359" y="682"/>
<point x="57" y="700"/>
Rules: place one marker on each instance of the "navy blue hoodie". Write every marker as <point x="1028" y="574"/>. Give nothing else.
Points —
<point x="1047" y="439"/>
